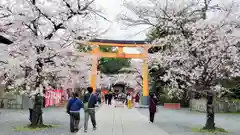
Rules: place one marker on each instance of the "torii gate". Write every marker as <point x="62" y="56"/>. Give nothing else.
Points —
<point x="120" y="54"/>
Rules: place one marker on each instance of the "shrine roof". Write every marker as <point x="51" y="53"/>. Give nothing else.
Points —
<point x="120" y="41"/>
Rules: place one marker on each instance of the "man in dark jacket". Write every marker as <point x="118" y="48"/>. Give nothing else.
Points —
<point x="73" y="109"/>
<point x="90" y="99"/>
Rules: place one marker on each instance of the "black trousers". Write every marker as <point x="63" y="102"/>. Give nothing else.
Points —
<point x="109" y="101"/>
<point x="151" y="117"/>
<point x="123" y="100"/>
<point x="74" y="121"/>
<point x="106" y="100"/>
<point x="30" y="114"/>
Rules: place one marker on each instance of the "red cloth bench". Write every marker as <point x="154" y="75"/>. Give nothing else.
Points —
<point x="172" y="105"/>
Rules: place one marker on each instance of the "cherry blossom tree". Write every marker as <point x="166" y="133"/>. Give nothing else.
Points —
<point x="136" y="65"/>
<point x="199" y="44"/>
<point x="210" y="55"/>
<point x="42" y="34"/>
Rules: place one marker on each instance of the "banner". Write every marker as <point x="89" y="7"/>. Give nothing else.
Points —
<point x="53" y="97"/>
<point x="47" y="97"/>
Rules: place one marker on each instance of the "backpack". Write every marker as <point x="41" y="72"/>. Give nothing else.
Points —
<point x="86" y="104"/>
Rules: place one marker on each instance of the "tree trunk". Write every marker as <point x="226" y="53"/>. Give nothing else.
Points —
<point x="185" y="99"/>
<point x="37" y="119"/>
<point x="210" y="123"/>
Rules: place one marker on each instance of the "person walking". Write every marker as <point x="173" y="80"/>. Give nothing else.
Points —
<point x="152" y="107"/>
<point x="123" y="97"/>
<point x="106" y="98"/>
<point x="99" y="98"/>
<point x="90" y="100"/>
<point x="126" y="100"/>
<point x="73" y="109"/>
<point x="129" y="101"/>
<point x="110" y="95"/>
<point x="137" y="99"/>
<point x="31" y="102"/>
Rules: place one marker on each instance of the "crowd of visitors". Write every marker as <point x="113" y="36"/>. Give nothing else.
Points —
<point x="89" y="101"/>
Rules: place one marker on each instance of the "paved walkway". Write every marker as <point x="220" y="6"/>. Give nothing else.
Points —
<point x="181" y="122"/>
<point x="122" y="121"/>
<point x="111" y="120"/>
<point x="9" y="119"/>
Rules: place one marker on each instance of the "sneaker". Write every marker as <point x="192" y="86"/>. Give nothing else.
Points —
<point x="85" y="131"/>
<point x="94" y="128"/>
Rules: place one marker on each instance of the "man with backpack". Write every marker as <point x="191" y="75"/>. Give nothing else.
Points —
<point x="90" y="100"/>
<point x="73" y="109"/>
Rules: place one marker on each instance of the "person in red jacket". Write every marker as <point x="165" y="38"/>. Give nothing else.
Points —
<point x="137" y="98"/>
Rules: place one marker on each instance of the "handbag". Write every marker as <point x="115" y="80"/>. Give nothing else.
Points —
<point x="86" y="104"/>
<point x="157" y="109"/>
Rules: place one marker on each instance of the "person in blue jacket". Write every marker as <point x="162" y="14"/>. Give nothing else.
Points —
<point x="73" y="109"/>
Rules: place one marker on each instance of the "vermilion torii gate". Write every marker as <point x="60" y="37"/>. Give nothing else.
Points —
<point x="120" y="44"/>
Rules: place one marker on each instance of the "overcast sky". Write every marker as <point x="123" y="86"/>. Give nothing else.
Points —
<point x="112" y="8"/>
<point x="116" y="30"/>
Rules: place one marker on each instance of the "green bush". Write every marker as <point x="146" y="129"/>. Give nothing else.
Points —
<point x="235" y="92"/>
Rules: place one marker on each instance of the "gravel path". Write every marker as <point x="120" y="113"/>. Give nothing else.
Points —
<point x="181" y="122"/>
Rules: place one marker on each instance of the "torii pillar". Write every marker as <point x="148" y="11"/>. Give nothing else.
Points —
<point x="145" y="91"/>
